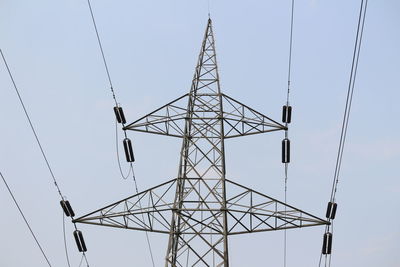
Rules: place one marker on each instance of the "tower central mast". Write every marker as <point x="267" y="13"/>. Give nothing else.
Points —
<point x="200" y="203"/>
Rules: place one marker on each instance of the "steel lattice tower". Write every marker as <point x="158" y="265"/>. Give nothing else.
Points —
<point x="200" y="208"/>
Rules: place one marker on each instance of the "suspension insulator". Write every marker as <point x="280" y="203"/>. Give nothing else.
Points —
<point x="69" y="212"/>
<point x="286" y="114"/>
<point x="128" y="150"/>
<point x="327" y="244"/>
<point x="331" y="210"/>
<point x="119" y="114"/>
<point x="80" y="242"/>
<point x="285" y="150"/>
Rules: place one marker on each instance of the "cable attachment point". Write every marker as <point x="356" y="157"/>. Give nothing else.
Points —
<point x="119" y="114"/>
<point x="286" y="114"/>
<point x="128" y="150"/>
<point x="66" y="206"/>
<point x="80" y="242"/>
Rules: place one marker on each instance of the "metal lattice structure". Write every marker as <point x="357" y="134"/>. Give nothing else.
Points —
<point x="200" y="208"/>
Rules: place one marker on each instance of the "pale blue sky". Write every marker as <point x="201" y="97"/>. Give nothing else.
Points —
<point x="152" y="48"/>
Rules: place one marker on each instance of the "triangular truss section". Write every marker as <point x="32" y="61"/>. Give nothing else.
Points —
<point x="149" y="210"/>
<point x="238" y="119"/>
<point x="167" y="120"/>
<point x="248" y="211"/>
<point x="241" y="120"/>
<point x="206" y="78"/>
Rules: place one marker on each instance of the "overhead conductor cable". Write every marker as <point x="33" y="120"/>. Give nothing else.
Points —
<point x="25" y="220"/>
<point x="286" y="119"/>
<point x="64" y="203"/>
<point x="332" y="205"/>
<point x="120" y="118"/>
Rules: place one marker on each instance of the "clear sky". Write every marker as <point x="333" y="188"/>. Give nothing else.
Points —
<point x="152" y="48"/>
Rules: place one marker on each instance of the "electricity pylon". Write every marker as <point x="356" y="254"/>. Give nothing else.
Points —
<point x="200" y="208"/>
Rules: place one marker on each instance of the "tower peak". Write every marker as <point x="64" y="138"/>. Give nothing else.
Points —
<point x="206" y="76"/>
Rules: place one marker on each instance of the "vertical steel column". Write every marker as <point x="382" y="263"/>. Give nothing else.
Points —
<point x="200" y="201"/>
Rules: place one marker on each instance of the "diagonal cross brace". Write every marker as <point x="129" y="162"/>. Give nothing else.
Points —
<point x="249" y="212"/>
<point x="238" y="119"/>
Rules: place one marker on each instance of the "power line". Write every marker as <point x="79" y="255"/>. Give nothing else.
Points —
<point x="290" y="52"/>
<point x="140" y="206"/>
<point x="346" y="116"/>
<point x="83" y="258"/>
<point x="350" y="91"/>
<point x="80" y="262"/>
<point x="37" y="139"/>
<point x="26" y="221"/>
<point x="65" y="241"/>
<point x="31" y="125"/>
<point x="102" y="53"/>
<point x="287" y="122"/>
<point x="131" y="171"/>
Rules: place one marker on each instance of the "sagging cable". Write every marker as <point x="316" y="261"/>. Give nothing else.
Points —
<point x="25" y="220"/>
<point x="64" y="204"/>
<point x="332" y="204"/>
